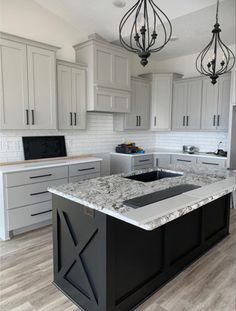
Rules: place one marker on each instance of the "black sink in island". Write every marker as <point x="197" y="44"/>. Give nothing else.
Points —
<point x="103" y="263"/>
<point x="153" y="175"/>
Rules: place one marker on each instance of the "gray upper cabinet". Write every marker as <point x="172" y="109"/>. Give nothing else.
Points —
<point x="161" y="100"/>
<point x="13" y="86"/>
<point x="27" y="84"/>
<point x="108" y="75"/>
<point x="216" y="104"/>
<point x="71" y="88"/>
<point x="224" y="102"/>
<point x="187" y="102"/>
<point x="42" y="88"/>
<point x="139" y="117"/>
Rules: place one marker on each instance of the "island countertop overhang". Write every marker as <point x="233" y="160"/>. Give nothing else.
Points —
<point x="106" y="194"/>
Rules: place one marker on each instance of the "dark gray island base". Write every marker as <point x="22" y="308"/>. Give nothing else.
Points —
<point x="105" y="264"/>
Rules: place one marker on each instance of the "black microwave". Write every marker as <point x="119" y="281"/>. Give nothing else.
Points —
<point x="40" y="147"/>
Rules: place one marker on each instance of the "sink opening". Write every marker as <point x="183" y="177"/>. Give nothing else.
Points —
<point x="154" y="175"/>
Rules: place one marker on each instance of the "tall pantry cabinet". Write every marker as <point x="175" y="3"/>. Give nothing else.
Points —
<point x="27" y="84"/>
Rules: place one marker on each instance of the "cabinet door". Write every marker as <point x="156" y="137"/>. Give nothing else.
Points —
<point x="223" y="102"/>
<point x="64" y="86"/>
<point x="121" y="72"/>
<point x="209" y="105"/>
<point x="143" y="104"/>
<point x="42" y="88"/>
<point x="103" y="66"/>
<point x="131" y="119"/>
<point x="194" y="104"/>
<point x="161" y="103"/>
<point x="79" y="98"/>
<point x="13" y="86"/>
<point x="179" y="105"/>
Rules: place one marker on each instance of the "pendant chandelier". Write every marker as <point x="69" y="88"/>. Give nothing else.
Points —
<point x="216" y="58"/>
<point x="148" y="27"/>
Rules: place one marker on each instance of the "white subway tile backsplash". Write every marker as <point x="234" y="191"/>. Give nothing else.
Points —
<point x="99" y="137"/>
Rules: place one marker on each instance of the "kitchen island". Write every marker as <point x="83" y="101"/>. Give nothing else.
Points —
<point x="109" y="256"/>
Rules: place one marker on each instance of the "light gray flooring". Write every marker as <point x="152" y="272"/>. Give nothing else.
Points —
<point x="209" y="284"/>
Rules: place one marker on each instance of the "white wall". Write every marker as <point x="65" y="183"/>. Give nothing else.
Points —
<point x="184" y="65"/>
<point x="28" y="19"/>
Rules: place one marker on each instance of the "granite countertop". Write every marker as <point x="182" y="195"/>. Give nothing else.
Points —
<point x="106" y="194"/>
<point x="11" y="168"/>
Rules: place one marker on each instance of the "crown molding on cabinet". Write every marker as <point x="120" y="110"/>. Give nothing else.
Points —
<point x="7" y="36"/>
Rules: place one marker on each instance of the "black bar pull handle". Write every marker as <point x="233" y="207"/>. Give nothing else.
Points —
<point x="155" y="121"/>
<point x="40" y="176"/>
<point x="214" y="120"/>
<point x="210" y="163"/>
<point x="86" y="169"/>
<point x="183" y="120"/>
<point x="140" y="120"/>
<point x="36" y="214"/>
<point x="32" y="114"/>
<point x="187" y="120"/>
<point x="71" y="121"/>
<point x="136" y="120"/>
<point x="27" y="116"/>
<point x="75" y="118"/>
<point x="218" y="120"/>
<point x="182" y="160"/>
<point x="37" y="193"/>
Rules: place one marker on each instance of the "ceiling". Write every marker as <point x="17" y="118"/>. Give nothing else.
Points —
<point x="192" y="20"/>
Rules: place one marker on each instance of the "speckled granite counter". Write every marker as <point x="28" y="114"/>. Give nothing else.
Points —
<point x="107" y="194"/>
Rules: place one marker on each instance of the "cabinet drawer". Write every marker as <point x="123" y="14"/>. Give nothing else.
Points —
<point x="183" y="159"/>
<point x="31" y="194"/>
<point x="83" y="177"/>
<point x="143" y="160"/>
<point x="35" y="176"/>
<point x="84" y="169"/>
<point x="29" y="215"/>
<point x="212" y="162"/>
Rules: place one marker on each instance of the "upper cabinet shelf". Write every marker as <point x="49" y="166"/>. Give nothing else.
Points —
<point x="27" y="84"/>
<point x="108" y="75"/>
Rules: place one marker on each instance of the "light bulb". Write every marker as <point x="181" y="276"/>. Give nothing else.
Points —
<point x="119" y="3"/>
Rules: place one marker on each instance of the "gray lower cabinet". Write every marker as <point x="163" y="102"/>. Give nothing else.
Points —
<point x="187" y="101"/>
<point x="125" y="163"/>
<point x="183" y="159"/>
<point x="27" y="84"/>
<point x="139" y="117"/>
<point x="25" y="202"/>
<point x="162" y="160"/>
<point x="71" y="89"/>
<point x="216" y="104"/>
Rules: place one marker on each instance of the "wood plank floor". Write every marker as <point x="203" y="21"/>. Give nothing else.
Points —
<point x="209" y="284"/>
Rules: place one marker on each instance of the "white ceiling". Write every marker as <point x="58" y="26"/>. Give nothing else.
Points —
<point x="192" y="20"/>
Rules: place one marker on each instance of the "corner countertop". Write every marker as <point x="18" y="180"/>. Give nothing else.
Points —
<point x="106" y="194"/>
<point x="45" y="164"/>
<point x="174" y="152"/>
